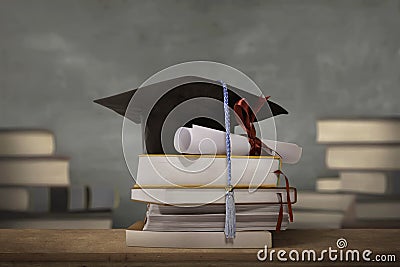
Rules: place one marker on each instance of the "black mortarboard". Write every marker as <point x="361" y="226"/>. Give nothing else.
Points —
<point x="152" y="105"/>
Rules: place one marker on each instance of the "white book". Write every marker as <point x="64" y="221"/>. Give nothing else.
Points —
<point x="327" y="202"/>
<point x="250" y="239"/>
<point x="193" y="196"/>
<point x="211" y="209"/>
<point x="370" y="182"/>
<point x="213" y="222"/>
<point x="26" y="142"/>
<point x="353" y="131"/>
<point x="14" y="199"/>
<point x="361" y="182"/>
<point x="215" y="227"/>
<point x="212" y="217"/>
<point x="328" y="185"/>
<point x="363" y="157"/>
<point x="195" y="170"/>
<point x="317" y="220"/>
<point x="35" y="171"/>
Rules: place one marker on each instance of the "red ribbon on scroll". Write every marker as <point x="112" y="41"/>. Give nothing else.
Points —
<point x="245" y="117"/>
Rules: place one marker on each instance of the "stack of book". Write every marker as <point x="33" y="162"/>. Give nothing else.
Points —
<point x="186" y="196"/>
<point x="366" y="154"/>
<point x="35" y="189"/>
<point x="320" y="210"/>
<point x="185" y="168"/>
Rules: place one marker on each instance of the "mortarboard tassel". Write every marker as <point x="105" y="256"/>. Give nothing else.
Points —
<point x="230" y="212"/>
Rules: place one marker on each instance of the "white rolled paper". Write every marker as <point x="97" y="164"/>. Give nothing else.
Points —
<point x="202" y="140"/>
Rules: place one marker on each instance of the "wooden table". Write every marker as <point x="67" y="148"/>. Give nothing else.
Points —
<point x="107" y="248"/>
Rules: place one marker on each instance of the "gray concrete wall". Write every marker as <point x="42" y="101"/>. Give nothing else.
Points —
<point x="316" y="58"/>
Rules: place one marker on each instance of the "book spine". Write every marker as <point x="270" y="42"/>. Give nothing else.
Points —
<point x="71" y="199"/>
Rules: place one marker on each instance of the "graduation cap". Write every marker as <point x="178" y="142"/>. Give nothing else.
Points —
<point x="161" y="108"/>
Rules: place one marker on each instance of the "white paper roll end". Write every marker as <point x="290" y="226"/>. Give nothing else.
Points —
<point x="182" y="139"/>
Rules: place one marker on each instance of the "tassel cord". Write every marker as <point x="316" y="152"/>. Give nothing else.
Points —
<point x="230" y="212"/>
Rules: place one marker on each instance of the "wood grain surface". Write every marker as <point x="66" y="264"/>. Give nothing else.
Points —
<point x="107" y="248"/>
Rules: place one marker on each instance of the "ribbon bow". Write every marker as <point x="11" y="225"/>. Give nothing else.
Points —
<point x="245" y="117"/>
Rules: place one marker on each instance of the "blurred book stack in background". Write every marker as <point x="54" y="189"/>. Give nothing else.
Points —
<point x="321" y="210"/>
<point x="366" y="154"/>
<point x="35" y="189"/>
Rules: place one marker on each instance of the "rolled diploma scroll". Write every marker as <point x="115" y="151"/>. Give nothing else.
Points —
<point x="202" y="140"/>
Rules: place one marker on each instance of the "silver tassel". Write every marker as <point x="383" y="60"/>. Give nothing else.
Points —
<point x="230" y="215"/>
